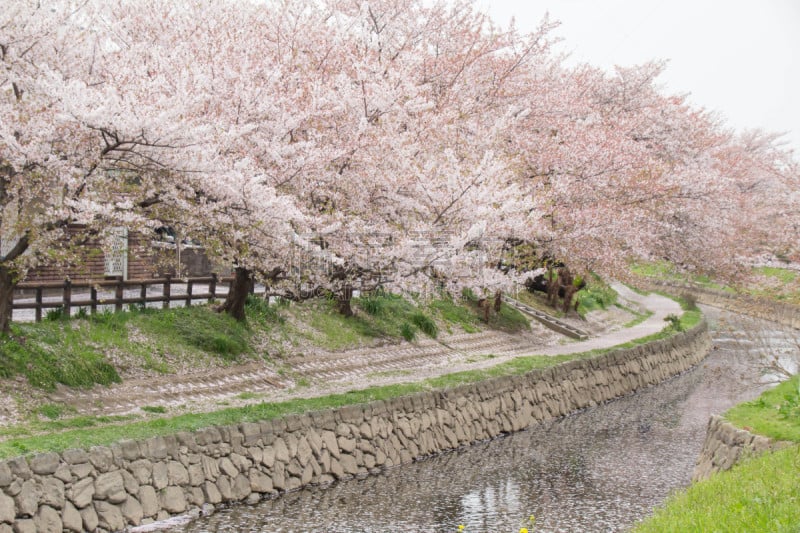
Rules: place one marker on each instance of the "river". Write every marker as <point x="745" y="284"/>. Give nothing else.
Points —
<point x="602" y="469"/>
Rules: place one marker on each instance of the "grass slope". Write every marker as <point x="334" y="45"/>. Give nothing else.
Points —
<point x="83" y="432"/>
<point x="759" y="494"/>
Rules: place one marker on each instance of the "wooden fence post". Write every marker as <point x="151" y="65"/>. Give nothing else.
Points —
<point x="188" y="292"/>
<point x="66" y="299"/>
<point x="167" y="291"/>
<point x="38" y="304"/>
<point x="119" y="294"/>
<point x="93" y="298"/>
<point x="212" y="288"/>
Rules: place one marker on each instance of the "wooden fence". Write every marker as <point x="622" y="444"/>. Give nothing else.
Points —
<point x="90" y="299"/>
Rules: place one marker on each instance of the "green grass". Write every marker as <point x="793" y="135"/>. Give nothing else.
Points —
<point x="640" y="317"/>
<point x="54" y="352"/>
<point x="157" y="409"/>
<point x="452" y="313"/>
<point x="759" y="494"/>
<point x="596" y="295"/>
<point x="74" y="351"/>
<point x="781" y="284"/>
<point x="774" y="414"/>
<point x="783" y="275"/>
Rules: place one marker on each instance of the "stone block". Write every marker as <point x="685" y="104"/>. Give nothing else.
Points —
<point x="27" y="500"/>
<point x="259" y="481"/>
<point x="132" y="511"/>
<point x="90" y="518"/>
<point x="160" y="476"/>
<point x="109" y="516"/>
<point x="148" y="499"/>
<point x="44" y="464"/>
<point x="211" y="492"/>
<point x="71" y="518"/>
<point x="240" y="488"/>
<point x="142" y="471"/>
<point x="5" y="475"/>
<point x="111" y="487"/>
<point x="196" y="475"/>
<point x="177" y="473"/>
<point x="63" y="473"/>
<point x="227" y="467"/>
<point x="81" y="493"/>
<point x="129" y="450"/>
<point x="331" y="443"/>
<point x="25" y="526"/>
<point x="52" y="493"/>
<point x="7" y="509"/>
<point x="173" y="500"/>
<point x="130" y="483"/>
<point x="101" y="458"/>
<point x="19" y="468"/>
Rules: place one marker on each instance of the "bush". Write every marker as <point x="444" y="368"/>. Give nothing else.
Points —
<point x="373" y="304"/>
<point x="674" y="322"/>
<point x="408" y="332"/>
<point x="425" y="324"/>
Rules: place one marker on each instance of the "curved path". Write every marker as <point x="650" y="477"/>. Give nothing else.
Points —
<point x="340" y="371"/>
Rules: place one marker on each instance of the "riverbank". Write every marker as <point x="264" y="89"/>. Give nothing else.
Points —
<point x="137" y="481"/>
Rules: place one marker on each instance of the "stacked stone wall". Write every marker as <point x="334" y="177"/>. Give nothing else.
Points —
<point x="109" y="488"/>
<point x="763" y="308"/>
<point x="726" y="444"/>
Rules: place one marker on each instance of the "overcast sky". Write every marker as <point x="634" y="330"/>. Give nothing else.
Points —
<point x="738" y="57"/>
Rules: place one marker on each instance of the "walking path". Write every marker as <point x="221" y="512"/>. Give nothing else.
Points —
<point x="333" y="372"/>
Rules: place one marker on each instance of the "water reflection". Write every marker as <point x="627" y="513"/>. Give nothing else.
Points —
<point x="600" y="470"/>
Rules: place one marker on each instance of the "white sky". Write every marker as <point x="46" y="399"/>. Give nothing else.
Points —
<point x="740" y="58"/>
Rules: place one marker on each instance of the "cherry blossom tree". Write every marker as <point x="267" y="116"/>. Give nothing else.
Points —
<point x="64" y="127"/>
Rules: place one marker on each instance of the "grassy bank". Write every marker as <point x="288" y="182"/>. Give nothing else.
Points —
<point x="775" y="283"/>
<point x="101" y="349"/>
<point x="83" y="432"/>
<point x="759" y="494"/>
<point x="774" y="414"/>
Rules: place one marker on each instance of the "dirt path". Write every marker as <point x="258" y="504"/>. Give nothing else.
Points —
<point x="329" y="372"/>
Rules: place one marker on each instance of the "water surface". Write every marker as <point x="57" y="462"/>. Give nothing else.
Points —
<point x="602" y="469"/>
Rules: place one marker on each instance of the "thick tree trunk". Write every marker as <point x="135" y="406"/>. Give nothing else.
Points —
<point x="343" y="301"/>
<point x="7" y="285"/>
<point x="237" y="295"/>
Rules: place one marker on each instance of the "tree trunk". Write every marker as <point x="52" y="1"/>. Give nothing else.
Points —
<point x="486" y="307"/>
<point x="343" y="301"/>
<point x="498" y="301"/>
<point x="237" y="295"/>
<point x="7" y="284"/>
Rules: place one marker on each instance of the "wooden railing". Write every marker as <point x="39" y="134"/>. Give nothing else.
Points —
<point x="74" y="294"/>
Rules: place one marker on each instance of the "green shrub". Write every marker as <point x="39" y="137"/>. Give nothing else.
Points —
<point x="57" y="313"/>
<point x="259" y="310"/>
<point x="408" y="332"/>
<point x="425" y="324"/>
<point x="674" y="322"/>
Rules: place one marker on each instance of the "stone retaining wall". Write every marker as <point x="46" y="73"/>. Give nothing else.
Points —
<point x="782" y="313"/>
<point x="108" y="488"/>
<point x="726" y="444"/>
